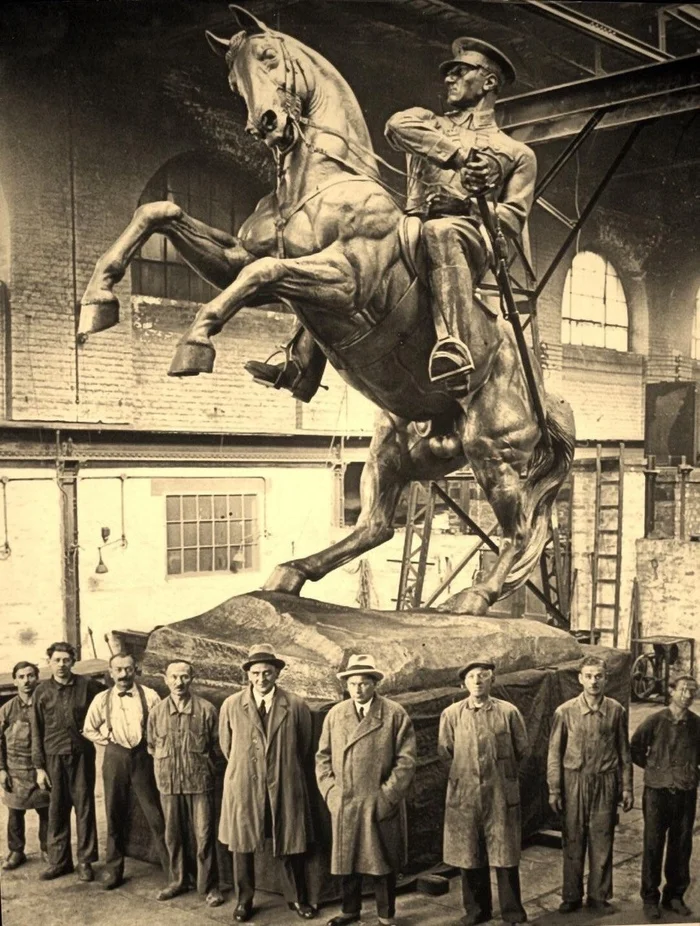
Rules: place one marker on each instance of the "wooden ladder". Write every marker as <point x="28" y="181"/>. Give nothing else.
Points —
<point x="606" y="568"/>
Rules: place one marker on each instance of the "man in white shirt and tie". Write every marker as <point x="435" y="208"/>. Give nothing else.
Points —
<point x="116" y="719"/>
<point x="265" y="732"/>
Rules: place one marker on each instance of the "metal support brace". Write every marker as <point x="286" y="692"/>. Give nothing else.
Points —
<point x="558" y="619"/>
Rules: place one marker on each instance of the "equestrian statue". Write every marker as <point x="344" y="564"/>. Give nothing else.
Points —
<point x="388" y="295"/>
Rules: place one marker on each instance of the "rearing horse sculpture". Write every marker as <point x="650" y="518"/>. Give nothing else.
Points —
<point x="333" y="244"/>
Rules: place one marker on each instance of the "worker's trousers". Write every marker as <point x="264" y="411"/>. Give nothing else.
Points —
<point x="590" y="810"/>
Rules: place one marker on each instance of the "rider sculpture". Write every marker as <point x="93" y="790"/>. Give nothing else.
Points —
<point x="331" y="242"/>
<point x="451" y="157"/>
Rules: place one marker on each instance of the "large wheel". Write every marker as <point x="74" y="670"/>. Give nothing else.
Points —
<point x="644" y="681"/>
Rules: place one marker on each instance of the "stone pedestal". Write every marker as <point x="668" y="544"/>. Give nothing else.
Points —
<point x="421" y="653"/>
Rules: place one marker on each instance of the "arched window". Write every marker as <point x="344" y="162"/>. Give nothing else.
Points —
<point x="695" y="341"/>
<point x="594" y="308"/>
<point x="207" y="189"/>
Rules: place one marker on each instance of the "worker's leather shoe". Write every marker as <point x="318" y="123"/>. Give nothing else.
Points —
<point x="243" y="912"/>
<point x="214" y="898"/>
<point x="55" y="871"/>
<point x="304" y="910"/>
<point x="569" y="906"/>
<point x="676" y="905"/>
<point x="343" y="919"/>
<point x="85" y="872"/>
<point x="14" y="860"/>
<point x="45" y="856"/>
<point x="111" y="880"/>
<point x="172" y="890"/>
<point x="652" y="912"/>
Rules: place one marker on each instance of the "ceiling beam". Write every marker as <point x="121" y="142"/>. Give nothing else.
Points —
<point x="601" y="32"/>
<point x="631" y="96"/>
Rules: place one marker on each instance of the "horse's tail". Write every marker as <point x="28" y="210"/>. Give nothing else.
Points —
<point x="547" y="472"/>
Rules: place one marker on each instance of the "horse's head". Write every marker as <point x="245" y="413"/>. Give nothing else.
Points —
<point x="268" y="77"/>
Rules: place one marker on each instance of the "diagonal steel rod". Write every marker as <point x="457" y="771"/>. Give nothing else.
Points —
<point x="461" y="513"/>
<point x="609" y="174"/>
<point x="569" y="151"/>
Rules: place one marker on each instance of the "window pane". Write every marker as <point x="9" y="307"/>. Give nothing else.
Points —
<point x="174" y="536"/>
<point x="236" y="533"/>
<point x="205" y="533"/>
<point x="220" y="506"/>
<point x="249" y="506"/>
<point x="205" y="508"/>
<point x="153" y="248"/>
<point x="220" y="533"/>
<point x="189" y="507"/>
<point x="178" y="283"/>
<point x="189" y="535"/>
<point x="235" y="507"/>
<point x="221" y="559"/>
<point x="152" y="278"/>
<point x="205" y="560"/>
<point x="190" y="561"/>
<point x="174" y="562"/>
<point x="172" y="507"/>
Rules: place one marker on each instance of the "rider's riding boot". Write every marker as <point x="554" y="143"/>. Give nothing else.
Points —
<point x="450" y="362"/>
<point x="301" y="371"/>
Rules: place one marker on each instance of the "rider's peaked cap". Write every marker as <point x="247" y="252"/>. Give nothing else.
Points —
<point x="482" y="662"/>
<point x="465" y="43"/>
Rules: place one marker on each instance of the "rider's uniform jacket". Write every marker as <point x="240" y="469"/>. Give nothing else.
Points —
<point x="434" y="188"/>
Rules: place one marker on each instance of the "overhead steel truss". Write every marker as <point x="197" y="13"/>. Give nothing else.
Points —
<point x="626" y="97"/>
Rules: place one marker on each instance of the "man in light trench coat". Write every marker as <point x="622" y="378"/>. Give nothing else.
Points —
<point x="265" y="733"/>
<point x="365" y="764"/>
<point x="485" y="740"/>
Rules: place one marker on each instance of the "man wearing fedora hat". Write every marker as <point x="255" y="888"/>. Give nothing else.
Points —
<point x="265" y="733"/>
<point x="365" y="764"/>
<point x="453" y="157"/>
<point x="485" y="740"/>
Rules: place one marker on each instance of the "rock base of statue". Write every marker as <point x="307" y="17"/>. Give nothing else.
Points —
<point x="421" y="653"/>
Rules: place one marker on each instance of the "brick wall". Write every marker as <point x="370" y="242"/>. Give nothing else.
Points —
<point x="668" y="573"/>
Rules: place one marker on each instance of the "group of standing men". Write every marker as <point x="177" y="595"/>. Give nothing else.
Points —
<point x="162" y="753"/>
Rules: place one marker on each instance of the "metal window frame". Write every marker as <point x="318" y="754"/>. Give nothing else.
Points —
<point x="250" y="542"/>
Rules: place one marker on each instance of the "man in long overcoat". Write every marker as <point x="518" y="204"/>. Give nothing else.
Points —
<point x="365" y="765"/>
<point x="485" y="740"/>
<point x="265" y="733"/>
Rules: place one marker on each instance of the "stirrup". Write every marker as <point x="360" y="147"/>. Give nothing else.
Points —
<point x="456" y="354"/>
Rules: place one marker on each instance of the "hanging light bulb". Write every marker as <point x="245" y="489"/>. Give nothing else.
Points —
<point x="101" y="567"/>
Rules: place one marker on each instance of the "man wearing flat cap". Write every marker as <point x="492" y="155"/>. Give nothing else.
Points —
<point x="365" y="765"/>
<point x="452" y="157"/>
<point x="265" y="733"/>
<point x="485" y="740"/>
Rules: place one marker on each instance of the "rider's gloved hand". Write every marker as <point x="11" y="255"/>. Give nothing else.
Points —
<point x="480" y="173"/>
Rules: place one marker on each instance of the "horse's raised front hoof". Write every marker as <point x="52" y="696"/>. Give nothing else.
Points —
<point x="97" y="316"/>
<point x="470" y="601"/>
<point x="285" y="578"/>
<point x="191" y="359"/>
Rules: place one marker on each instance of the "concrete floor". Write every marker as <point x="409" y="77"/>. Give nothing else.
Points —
<point x="29" y="902"/>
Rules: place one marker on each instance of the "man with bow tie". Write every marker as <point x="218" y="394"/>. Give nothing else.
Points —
<point x="265" y="733"/>
<point x="117" y="720"/>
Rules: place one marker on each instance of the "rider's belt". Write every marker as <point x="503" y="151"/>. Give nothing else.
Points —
<point x="440" y="206"/>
